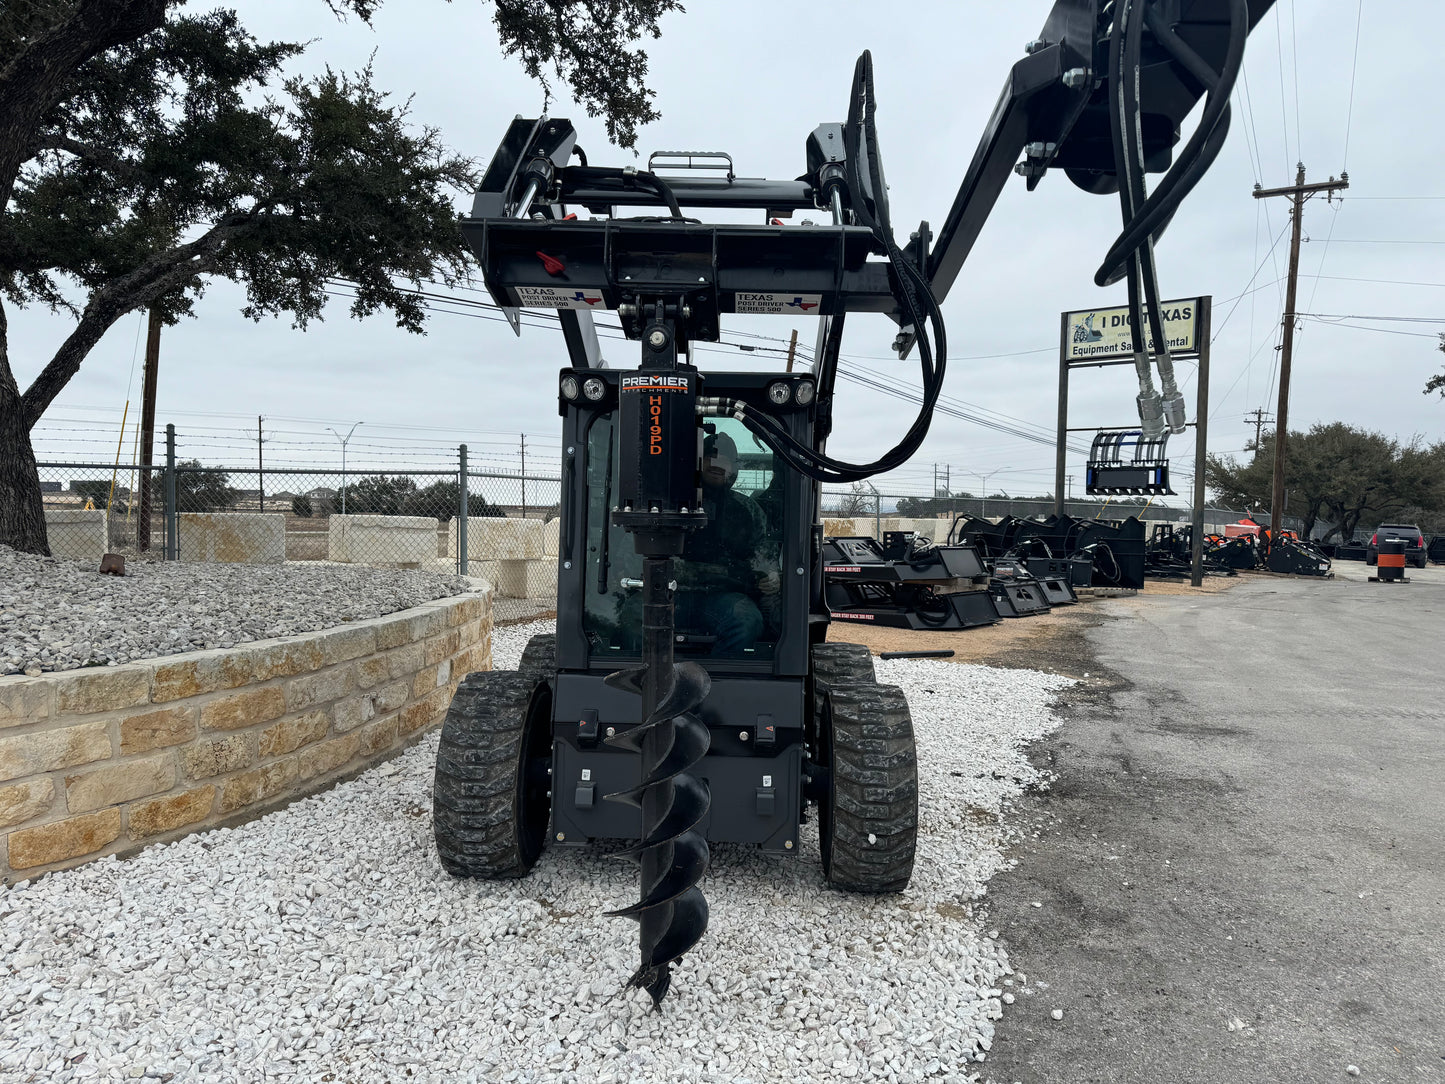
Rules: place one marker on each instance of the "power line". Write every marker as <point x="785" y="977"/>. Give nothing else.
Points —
<point x="1354" y="70"/>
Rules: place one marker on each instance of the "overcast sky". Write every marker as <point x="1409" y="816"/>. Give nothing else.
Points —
<point x="754" y="79"/>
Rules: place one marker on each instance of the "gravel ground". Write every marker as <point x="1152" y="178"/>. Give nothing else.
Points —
<point x="324" y="942"/>
<point x="62" y="615"/>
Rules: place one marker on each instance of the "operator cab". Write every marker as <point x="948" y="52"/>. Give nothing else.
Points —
<point x="737" y="608"/>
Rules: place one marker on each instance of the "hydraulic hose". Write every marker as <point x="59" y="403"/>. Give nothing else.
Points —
<point x="1151" y="408"/>
<point x="919" y="307"/>
<point x="1171" y="401"/>
<point x="600" y="176"/>
<point x="1203" y="146"/>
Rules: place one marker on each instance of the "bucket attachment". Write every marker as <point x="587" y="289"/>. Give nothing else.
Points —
<point x="1110" y="473"/>
<point x="904" y="584"/>
<point x="862" y="560"/>
<point x="1018" y="598"/>
<point x="1057" y="591"/>
<point x="1297" y="558"/>
<point x="1074" y="571"/>
<point x="906" y="607"/>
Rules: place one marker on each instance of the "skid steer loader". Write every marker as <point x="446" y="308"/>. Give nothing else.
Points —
<point x="690" y="693"/>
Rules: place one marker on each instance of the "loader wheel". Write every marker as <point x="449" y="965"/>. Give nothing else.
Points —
<point x="489" y="801"/>
<point x="842" y="664"/>
<point x="539" y="657"/>
<point x="868" y="817"/>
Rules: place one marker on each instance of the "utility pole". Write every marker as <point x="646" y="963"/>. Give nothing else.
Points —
<point x="260" y="464"/>
<point x="792" y="349"/>
<point x="148" y="428"/>
<point x="947" y="481"/>
<point x="1298" y="193"/>
<point x="1260" y="418"/>
<point x="524" y="475"/>
<point x="1071" y="487"/>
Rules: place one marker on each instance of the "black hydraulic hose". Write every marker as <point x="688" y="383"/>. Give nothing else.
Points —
<point x="1203" y="146"/>
<point x="1123" y="160"/>
<point x="600" y="177"/>
<point x="1134" y="144"/>
<point x="914" y="294"/>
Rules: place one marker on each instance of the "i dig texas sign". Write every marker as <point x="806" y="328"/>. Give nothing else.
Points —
<point x="1105" y="334"/>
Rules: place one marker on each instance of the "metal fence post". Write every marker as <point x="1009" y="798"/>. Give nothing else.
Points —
<point x="463" y="567"/>
<point x="172" y="539"/>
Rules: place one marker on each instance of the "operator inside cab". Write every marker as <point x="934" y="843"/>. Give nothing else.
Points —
<point x="728" y="578"/>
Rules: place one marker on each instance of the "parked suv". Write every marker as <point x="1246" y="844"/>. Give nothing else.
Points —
<point x="1408" y="533"/>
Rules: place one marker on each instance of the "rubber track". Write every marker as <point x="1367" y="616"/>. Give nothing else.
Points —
<point x="475" y="796"/>
<point x="875" y="789"/>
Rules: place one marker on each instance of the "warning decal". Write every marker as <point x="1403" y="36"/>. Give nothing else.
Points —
<point x="558" y="297"/>
<point x="778" y="304"/>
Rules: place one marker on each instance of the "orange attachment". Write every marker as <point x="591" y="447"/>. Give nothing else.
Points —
<point x="1391" y="560"/>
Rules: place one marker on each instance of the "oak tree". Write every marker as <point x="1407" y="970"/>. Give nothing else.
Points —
<point x="145" y="148"/>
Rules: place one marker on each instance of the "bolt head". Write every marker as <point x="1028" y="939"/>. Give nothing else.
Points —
<point x="788" y="845"/>
<point x="742" y="735"/>
<point x="561" y="837"/>
<point x="1077" y="77"/>
<point x="657" y="339"/>
<point x="612" y="732"/>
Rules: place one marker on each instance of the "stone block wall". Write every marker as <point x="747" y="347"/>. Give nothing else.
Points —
<point x="391" y="541"/>
<point x="493" y="538"/>
<point x="107" y="759"/>
<point x="248" y="538"/>
<point x="77" y="534"/>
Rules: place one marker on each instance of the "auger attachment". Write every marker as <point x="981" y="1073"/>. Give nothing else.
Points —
<point x="660" y="504"/>
<point x="673" y="854"/>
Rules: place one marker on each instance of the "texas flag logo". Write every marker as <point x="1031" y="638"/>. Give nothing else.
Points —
<point x="580" y="296"/>
<point x="799" y="303"/>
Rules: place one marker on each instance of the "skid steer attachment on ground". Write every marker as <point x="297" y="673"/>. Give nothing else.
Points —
<point x="690" y="695"/>
<point x="906" y="583"/>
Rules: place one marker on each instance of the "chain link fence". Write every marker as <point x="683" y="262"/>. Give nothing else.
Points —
<point x="182" y="509"/>
<point x="852" y="503"/>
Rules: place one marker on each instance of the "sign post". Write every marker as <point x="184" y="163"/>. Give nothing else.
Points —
<point x="1098" y="337"/>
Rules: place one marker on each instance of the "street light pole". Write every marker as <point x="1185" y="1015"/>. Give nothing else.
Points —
<point x="983" y="497"/>
<point x="344" y="441"/>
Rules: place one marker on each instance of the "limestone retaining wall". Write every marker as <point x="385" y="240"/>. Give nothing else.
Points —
<point x="77" y="534"/>
<point x="107" y="759"/>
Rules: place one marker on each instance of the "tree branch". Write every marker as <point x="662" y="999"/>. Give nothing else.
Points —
<point x="34" y="78"/>
<point x="162" y="273"/>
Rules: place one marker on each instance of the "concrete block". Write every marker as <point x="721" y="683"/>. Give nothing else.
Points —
<point x="552" y="537"/>
<point x="385" y="541"/>
<point x="492" y="538"/>
<point x="527" y="579"/>
<point x="246" y="538"/>
<point x="77" y="534"/>
<point x="846" y="528"/>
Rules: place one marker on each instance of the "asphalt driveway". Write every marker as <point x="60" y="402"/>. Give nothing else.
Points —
<point x="1239" y="873"/>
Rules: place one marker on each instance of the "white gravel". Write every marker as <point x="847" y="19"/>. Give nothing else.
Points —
<point x="62" y="615"/>
<point x="324" y="942"/>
